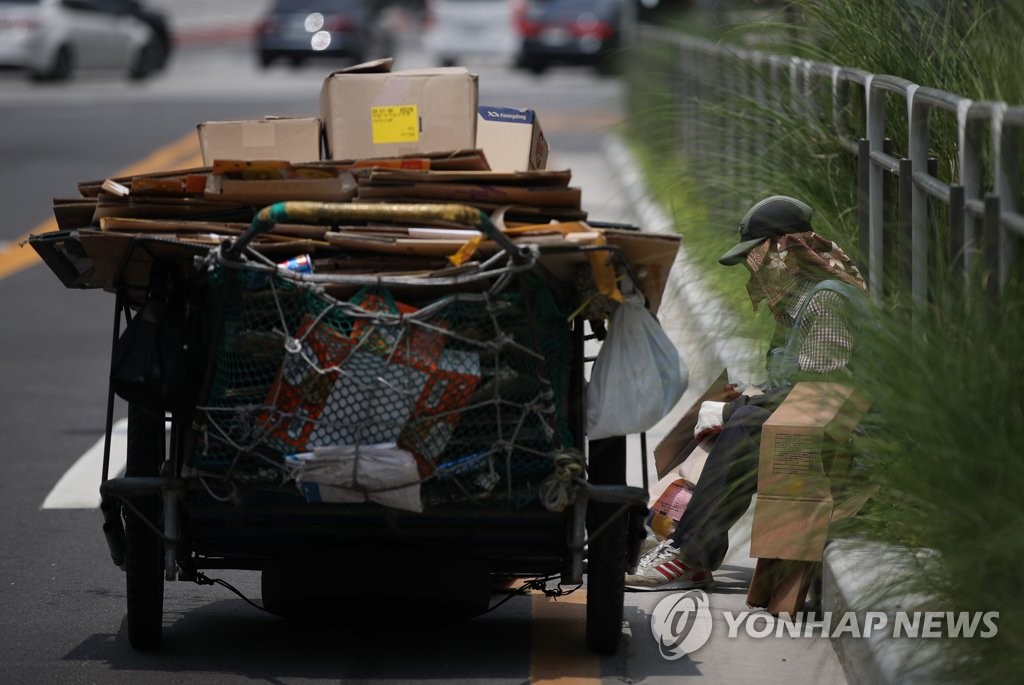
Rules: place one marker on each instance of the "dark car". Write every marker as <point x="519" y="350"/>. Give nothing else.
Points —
<point x="298" y="30"/>
<point x="570" y="32"/>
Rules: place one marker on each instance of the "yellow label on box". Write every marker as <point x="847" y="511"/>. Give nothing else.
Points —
<point x="395" y="124"/>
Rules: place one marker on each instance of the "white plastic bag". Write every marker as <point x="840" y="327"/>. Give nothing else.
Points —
<point x="637" y="377"/>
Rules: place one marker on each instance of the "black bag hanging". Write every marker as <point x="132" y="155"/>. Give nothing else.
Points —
<point x="152" y="360"/>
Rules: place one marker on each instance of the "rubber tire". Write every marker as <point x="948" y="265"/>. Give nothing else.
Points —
<point x="58" y="70"/>
<point x="144" y="550"/>
<point x="606" y="554"/>
<point x="147" y="62"/>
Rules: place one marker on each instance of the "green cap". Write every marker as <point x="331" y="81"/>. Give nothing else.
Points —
<point x="772" y="217"/>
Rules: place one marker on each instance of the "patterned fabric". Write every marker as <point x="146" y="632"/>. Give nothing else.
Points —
<point x="778" y="265"/>
<point x="826" y="339"/>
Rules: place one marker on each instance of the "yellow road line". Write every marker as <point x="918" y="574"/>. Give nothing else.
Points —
<point x="559" y="654"/>
<point x="180" y="154"/>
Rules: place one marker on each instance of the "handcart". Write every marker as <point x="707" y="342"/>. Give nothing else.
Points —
<point x="303" y="422"/>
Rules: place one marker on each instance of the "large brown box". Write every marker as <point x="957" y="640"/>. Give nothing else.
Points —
<point x="292" y="139"/>
<point x="802" y="463"/>
<point x="370" y="111"/>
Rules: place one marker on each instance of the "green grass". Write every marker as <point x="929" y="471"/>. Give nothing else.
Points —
<point x="945" y="443"/>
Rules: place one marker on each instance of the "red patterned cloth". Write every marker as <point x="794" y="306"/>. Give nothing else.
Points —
<point x="778" y="265"/>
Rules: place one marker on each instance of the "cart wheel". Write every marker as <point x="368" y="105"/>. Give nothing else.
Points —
<point x="144" y="564"/>
<point x="606" y="554"/>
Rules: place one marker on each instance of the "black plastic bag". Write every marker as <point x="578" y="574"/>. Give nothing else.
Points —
<point x="153" y="363"/>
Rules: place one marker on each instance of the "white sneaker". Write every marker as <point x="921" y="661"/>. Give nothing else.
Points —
<point x="664" y="569"/>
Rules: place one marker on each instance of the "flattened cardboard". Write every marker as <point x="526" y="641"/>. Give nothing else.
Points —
<point x="650" y="253"/>
<point x="780" y="585"/>
<point x="787" y="528"/>
<point x="799" y="453"/>
<point x="679" y="442"/>
<point x="534" y="196"/>
<point x="339" y="189"/>
<point x="536" y="177"/>
<point x="801" y="466"/>
<point x="375" y="113"/>
<point x="292" y="139"/>
<point x="511" y="138"/>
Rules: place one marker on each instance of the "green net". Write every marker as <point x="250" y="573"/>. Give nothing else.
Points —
<point x="470" y="387"/>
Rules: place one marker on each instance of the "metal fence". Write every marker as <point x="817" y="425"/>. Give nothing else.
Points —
<point x="938" y="175"/>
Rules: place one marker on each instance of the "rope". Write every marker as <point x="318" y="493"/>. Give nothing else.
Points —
<point x="556" y="492"/>
<point x="331" y="396"/>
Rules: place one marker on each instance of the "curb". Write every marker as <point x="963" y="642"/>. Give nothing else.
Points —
<point x="850" y="569"/>
<point x="852" y="573"/>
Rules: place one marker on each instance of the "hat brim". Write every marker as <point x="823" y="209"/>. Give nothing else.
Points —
<point x="738" y="253"/>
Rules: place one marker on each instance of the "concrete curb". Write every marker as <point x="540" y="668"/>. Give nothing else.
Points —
<point x="737" y="354"/>
<point x="851" y="569"/>
<point x="853" y="573"/>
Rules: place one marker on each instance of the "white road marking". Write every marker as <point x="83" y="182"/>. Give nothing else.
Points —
<point x="79" y="487"/>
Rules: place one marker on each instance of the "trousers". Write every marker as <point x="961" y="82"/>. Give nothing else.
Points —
<point x="723" y="491"/>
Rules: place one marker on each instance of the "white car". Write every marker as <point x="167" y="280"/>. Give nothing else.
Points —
<point x="50" y="39"/>
<point x="459" y="29"/>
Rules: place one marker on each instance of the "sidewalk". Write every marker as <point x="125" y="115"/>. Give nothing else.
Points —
<point x="850" y="570"/>
<point x="686" y="314"/>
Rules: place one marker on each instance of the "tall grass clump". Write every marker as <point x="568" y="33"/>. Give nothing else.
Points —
<point x="944" y="451"/>
<point x="945" y="443"/>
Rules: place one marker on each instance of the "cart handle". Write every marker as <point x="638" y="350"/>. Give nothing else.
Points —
<point x="336" y="212"/>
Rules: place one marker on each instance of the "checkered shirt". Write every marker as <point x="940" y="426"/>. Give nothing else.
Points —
<point x="825" y="342"/>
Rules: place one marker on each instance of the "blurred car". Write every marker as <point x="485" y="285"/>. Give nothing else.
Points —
<point x="51" y="39"/>
<point x="160" y="46"/>
<point x="459" y="29"/>
<point x="570" y="32"/>
<point x="298" y="30"/>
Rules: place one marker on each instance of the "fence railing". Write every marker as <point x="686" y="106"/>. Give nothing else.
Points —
<point x="939" y="175"/>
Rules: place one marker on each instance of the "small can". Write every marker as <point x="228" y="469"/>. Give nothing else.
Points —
<point x="302" y="264"/>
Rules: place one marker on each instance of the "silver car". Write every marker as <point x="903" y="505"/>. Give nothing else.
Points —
<point x="51" y="39"/>
<point x="461" y="29"/>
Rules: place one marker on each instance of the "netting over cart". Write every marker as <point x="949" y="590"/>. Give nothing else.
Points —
<point x="470" y="389"/>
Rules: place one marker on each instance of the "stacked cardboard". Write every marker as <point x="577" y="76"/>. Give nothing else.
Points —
<point x="382" y="136"/>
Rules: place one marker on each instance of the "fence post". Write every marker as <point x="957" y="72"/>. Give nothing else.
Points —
<point x="957" y="207"/>
<point x="918" y="127"/>
<point x="864" y="206"/>
<point x="990" y="245"/>
<point x="906" y="232"/>
<point x="876" y="216"/>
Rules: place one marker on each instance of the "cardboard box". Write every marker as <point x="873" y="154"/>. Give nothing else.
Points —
<point x="259" y="192"/>
<point x="512" y="139"/>
<point x="370" y="111"/>
<point x="780" y="585"/>
<point x="293" y="139"/>
<point x="802" y="464"/>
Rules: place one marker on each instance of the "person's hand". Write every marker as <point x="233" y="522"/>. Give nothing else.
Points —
<point x="709" y="420"/>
